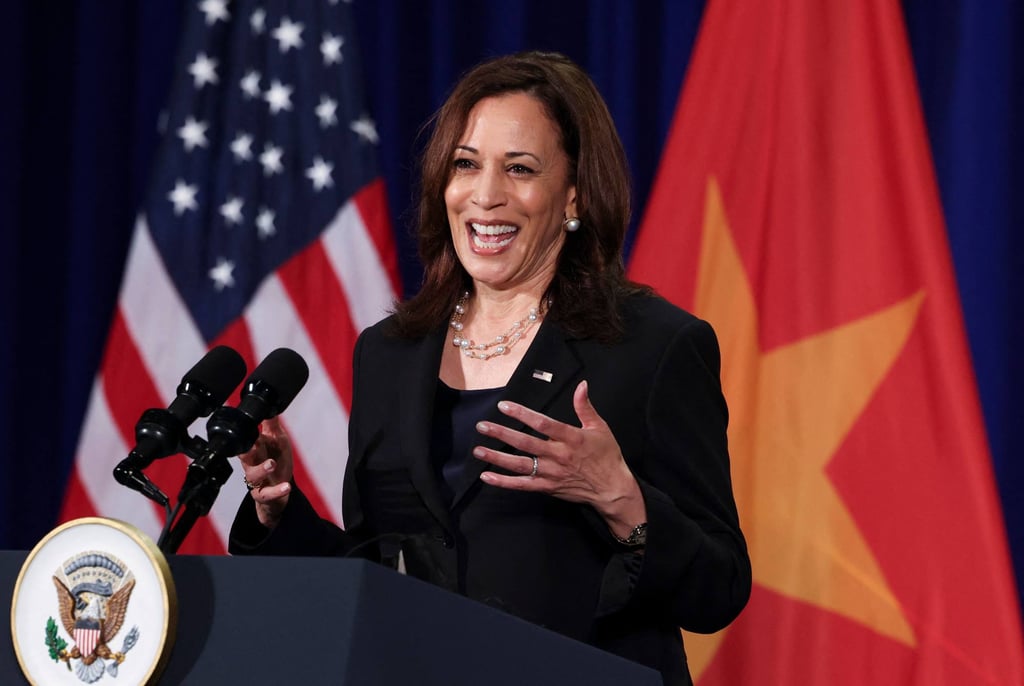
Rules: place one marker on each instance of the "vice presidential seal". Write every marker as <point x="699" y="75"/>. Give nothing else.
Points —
<point x="114" y="596"/>
<point x="93" y="590"/>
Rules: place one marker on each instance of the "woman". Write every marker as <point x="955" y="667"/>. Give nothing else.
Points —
<point x="532" y="430"/>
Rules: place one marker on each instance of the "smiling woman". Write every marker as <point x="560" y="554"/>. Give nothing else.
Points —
<point x="507" y="198"/>
<point x="532" y="430"/>
<point x="508" y="195"/>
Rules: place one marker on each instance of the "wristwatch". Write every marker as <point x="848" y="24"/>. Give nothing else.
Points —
<point x="637" y="537"/>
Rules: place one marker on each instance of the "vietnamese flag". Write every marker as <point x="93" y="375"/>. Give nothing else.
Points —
<point x="796" y="209"/>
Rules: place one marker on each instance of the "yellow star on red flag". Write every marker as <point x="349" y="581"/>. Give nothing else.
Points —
<point x="790" y="409"/>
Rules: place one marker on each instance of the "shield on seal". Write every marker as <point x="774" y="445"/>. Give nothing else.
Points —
<point x="86" y="637"/>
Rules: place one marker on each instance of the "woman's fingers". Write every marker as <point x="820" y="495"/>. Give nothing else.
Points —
<point x="260" y="473"/>
<point x="516" y="439"/>
<point x="517" y="464"/>
<point x="266" y="495"/>
<point x="541" y="423"/>
<point x="576" y="463"/>
<point x="588" y="416"/>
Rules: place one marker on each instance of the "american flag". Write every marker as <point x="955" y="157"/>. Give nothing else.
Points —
<point x="265" y="225"/>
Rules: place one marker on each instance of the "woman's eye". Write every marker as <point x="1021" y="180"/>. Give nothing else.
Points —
<point x="520" y="169"/>
<point x="462" y="163"/>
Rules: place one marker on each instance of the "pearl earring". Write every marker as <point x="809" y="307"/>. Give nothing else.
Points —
<point x="571" y="224"/>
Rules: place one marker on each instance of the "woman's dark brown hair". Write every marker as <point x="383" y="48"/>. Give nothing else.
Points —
<point x="590" y="279"/>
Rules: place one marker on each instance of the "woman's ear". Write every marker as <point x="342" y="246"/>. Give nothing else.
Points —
<point x="570" y="205"/>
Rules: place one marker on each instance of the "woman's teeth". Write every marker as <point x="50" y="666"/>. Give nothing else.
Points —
<point x="490" y="236"/>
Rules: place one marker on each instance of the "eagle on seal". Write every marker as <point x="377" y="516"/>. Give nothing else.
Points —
<point x="92" y="621"/>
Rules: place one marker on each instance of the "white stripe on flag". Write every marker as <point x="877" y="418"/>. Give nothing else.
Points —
<point x="357" y="263"/>
<point x="317" y="420"/>
<point x="159" y="322"/>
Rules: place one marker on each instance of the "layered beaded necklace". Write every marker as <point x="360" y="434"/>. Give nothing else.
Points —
<point x="501" y="343"/>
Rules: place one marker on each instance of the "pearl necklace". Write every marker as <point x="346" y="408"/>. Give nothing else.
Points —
<point x="501" y="343"/>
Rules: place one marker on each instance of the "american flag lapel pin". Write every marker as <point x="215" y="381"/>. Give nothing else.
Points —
<point x="542" y="375"/>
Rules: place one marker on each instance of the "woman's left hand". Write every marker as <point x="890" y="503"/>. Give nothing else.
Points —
<point x="580" y="464"/>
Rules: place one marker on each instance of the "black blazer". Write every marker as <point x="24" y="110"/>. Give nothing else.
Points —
<point x="551" y="562"/>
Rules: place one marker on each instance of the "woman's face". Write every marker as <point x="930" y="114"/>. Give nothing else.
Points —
<point x="508" y="194"/>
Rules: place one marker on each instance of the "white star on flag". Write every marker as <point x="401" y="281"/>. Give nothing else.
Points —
<point x="214" y="10"/>
<point x="183" y="197"/>
<point x="241" y="147"/>
<point x="258" y="21"/>
<point x="288" y="34"/>
<point x="320" y="174"/>
<point x="330" y="48"/>
<point x="251" y="84"/>
<point x="366" y="129"/>
<point x="193" y="134"/>
<point x="279" y="97"/>
<point x="203" y="70"/>
<point x="223" y="274"/>
<point x="232" y="210"/>
<point x="265" y="223"/>
<point x="270" y="158"/>
<point x="326" y="111"/>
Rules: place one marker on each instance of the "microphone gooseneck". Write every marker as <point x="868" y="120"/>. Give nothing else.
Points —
<point x="163" y="432"/>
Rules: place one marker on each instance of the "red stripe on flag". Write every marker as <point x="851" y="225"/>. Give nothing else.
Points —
<point x="314" y="290"/>
<point x="129" y="388"/>
<point x="372" y="203"/>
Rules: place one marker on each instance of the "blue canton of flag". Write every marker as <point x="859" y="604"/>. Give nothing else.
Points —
<point x="265" y="226"/>
<point x="266" y="131"/>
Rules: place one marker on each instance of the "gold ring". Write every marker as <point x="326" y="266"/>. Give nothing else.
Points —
<point x="248" y="484"/>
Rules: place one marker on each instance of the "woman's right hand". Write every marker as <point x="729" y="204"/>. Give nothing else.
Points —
<point x="268" y="471"/>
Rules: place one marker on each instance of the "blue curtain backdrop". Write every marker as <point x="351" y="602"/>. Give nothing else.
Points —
<point x="84" y="83"/>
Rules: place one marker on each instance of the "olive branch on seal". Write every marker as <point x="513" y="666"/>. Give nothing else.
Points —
<point x="55" y="643"/>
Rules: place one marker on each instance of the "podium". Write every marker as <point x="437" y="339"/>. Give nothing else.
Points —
<point x="274" y="620"/>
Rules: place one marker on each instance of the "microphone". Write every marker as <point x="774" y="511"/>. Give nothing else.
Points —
<point x="233" y="430"/>
<point x="161" y="432"/>
<point x="266" y="393"/>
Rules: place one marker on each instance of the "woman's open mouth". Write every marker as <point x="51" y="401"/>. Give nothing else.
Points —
<point x="492" y="236"/>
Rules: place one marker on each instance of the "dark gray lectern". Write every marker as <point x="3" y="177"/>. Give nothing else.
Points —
<point x="330" y="621"/>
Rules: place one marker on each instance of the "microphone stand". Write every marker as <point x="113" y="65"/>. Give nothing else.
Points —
<point x="231" y="432"/>
<point x="203" y="481"/>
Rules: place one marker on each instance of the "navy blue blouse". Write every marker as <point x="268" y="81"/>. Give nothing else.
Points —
<point x="454" y="433"/>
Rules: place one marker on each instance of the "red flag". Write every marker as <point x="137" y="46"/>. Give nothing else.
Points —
<point x="265" y="226"/>
<point x="796" y="209"/>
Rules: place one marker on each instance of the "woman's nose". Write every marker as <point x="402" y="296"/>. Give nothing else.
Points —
<point x="489" y="189"/>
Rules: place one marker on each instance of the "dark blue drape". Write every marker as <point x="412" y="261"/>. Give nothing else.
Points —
<point x="84" y="84"/>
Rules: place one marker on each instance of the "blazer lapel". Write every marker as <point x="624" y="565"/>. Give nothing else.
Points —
<point x="416" y="409"/>
<point x="544" y="373"/>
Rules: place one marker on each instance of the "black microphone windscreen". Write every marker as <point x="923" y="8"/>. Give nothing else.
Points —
<point x="218" y="373"/>
<point x="284" y="371"/>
